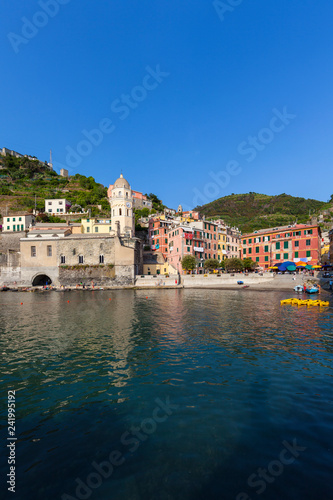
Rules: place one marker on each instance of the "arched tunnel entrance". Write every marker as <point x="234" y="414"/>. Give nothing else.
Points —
<point x="41" y="280"/>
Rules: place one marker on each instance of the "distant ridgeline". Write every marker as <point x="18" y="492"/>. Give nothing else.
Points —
<point x="253" y="211"/>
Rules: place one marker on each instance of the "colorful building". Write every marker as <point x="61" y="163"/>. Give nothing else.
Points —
<point x="158" y="234"/>
<point x="96" y="226"/>
<point x="269" y="247"/>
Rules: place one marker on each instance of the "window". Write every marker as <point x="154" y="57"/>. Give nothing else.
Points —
<point x="250" y="240"/>
<point x="308" y="253"/>
<point x="257" y="249"/>
<point x="50" y="202"/>
<point x="22" y="227"/>
<point x="266" y="258"/>
<point x="308" y="243"/>
<point x="266" y="238"/>
<point x="62" y="259"/>
<point x="60" y="202"/>
<point x="49" y="250"/>
<point x="33" y="251"/>
<point x="244" y="251"/>
<point x="166" y="240"/>
<point x="80" y="259"/>
<point x="296" y="243"/>
<point x="296" y="255"/>
<point x="277" y="245"/>
<point x="277" y="256"/>
<point x="188" y="249"/>
<point x="101" y="259"/>
<point x="119" y="211"/>
<point x="257" y="259"/>
<point x="8" y="219"/>
<point x="244" y="242"/>
<point x="285" y="244"/>
<point x="14" y="227"/>
<point x="250" y="250"/>
<point x="20" y="218"/>
<point x="8" y="228"/>
<point x="88" y="229"/>
<point x="285" y="256"/>
<point x="266" y="248"/>
<point x="96" y="229"/>
<point x="13" y="219"/>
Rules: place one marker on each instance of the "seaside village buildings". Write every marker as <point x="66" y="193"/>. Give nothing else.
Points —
<point x="108" y="252"/>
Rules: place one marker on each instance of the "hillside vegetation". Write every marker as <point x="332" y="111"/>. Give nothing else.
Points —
<point x="21" y="179"/>
<point x="252" y="211"/>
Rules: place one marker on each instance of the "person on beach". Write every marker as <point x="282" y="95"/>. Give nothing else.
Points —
<point x="331" y="284"/>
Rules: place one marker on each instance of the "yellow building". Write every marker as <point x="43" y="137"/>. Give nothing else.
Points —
<point x="221" y="247"/>
<point x="96" y="226"/>
<point x="154" y="263"/>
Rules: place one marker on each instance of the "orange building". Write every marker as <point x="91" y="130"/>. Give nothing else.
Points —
<point x="269" y="247"/>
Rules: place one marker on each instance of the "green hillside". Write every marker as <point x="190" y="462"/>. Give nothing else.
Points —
<point x="252" y="211"/>
<point x="21" y="179"/>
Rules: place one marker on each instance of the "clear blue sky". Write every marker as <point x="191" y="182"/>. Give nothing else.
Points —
<point x="223" y="74"/>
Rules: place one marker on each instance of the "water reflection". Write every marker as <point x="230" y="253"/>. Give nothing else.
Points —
<point x="245" y="372"/>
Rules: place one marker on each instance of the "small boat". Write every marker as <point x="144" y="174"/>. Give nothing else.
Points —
<point x="313" y="289"/>
<point x="298" y="288"/>
<point x="4" y="289"/>
<point x="240" y="282"/>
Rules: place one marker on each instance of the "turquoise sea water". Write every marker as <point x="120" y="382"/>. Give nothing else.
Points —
<point x="191" y="394"/>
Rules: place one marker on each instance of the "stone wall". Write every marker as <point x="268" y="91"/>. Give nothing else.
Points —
<point x="10" y="258"/>
<point x="214" y="280"/>
<point x="11" y="240"/>
<point x="101" y="275"/>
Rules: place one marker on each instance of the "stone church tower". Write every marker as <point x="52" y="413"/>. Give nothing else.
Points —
<point x="121" y="202"/>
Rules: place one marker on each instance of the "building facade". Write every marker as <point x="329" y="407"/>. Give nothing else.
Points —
<point x="57" y="206"/>
<point x="17" y="222"/>
<point x="269" y="247"/>
<point x="94" y="225"/>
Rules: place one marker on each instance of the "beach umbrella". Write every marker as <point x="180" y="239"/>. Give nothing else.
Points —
<point x="288" y="263"/>
<point x="291" y="268"/>
<point x="316" y="267"/>
<point x="308" y="267"/>
<point x="300" y="264"/>
<point x="273" y="267"/>
<point x="282" y="268"/>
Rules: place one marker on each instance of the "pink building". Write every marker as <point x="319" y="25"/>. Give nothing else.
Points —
<point x="199" y="239"/>
<point x="158" y="235"/>
<point x="139" y="200"/>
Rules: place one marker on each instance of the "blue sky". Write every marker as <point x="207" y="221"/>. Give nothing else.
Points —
<point x="184" y="93"/>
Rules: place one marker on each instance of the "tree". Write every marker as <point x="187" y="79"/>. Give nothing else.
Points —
<point x="234" y="264"/>
<point x="189" y="262"/>
<point x="211" y="264"/>
<point x="249" y="264"/>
